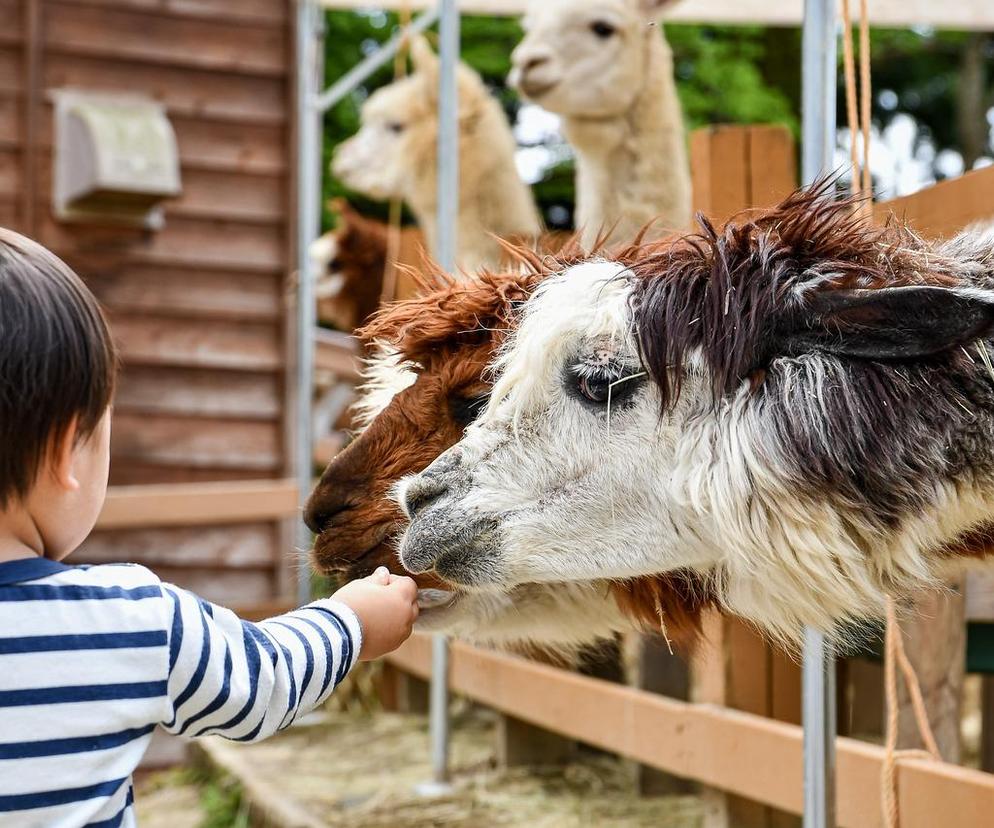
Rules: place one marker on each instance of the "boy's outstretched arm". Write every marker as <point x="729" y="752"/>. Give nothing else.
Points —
<point x="246" y="681"/>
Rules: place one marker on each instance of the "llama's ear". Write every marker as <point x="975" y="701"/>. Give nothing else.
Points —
<point x="892" y="323"/>
<point x="423" y="59"/>
<point x="653" y="8"/>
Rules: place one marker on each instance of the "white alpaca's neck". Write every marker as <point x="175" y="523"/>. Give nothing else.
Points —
<point x="633" y="168"/>
<point x="492" y="197"/>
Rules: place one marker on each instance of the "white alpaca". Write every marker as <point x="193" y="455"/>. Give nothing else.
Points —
<point x="800" y="409"/>
<point x="393" y="156"/>
<point x="605" y="67"/>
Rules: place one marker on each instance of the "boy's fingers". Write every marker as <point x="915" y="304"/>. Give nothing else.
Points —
<point x="381" y="575"/>
<point x="405" y="586"/>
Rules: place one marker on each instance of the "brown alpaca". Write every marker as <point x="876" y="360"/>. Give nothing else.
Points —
<point x="351" y="261"/>
<point x="451" y="334"/>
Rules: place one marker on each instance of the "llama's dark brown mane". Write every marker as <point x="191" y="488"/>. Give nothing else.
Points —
<point x="451" y="311"/>
<point x="731" y="292"/>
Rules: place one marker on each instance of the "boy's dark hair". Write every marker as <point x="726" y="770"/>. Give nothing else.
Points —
<point x="57" y="360"/>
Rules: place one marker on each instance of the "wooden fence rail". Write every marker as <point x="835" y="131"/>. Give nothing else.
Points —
<point x="198" y="504"/>
<point x="738" y="752"/>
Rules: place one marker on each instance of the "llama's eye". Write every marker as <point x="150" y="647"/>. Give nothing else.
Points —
<point x="602" y="29"/>
<point x="595" y="389"/>
<point x="395" y="127"/>
<point x="465" y="410"/>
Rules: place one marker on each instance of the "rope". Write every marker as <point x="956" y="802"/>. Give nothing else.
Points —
<point x="895" y="657"/>
<point x="389" y="290"/>
<point x="858" y="117"/>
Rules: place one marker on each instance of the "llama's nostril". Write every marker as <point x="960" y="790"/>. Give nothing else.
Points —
<point x="421" y="493"/>
<point x="535" y="62"/>
<point x="323" y="505"/>
<point x="316" y="521"/>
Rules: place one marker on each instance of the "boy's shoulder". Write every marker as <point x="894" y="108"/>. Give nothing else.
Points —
<point x="30" y="570"/>
<point x="43" y="579"/>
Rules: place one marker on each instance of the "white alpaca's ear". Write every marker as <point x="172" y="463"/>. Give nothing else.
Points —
<point x="424" y="60"/>
<point x="653" y="8"/>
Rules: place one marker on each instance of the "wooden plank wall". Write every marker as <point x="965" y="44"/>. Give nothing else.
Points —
<point x="197" y="308"/>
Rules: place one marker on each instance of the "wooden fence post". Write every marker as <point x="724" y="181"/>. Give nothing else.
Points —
<point x="734" y="168"/>
<point x="935" y="640"/>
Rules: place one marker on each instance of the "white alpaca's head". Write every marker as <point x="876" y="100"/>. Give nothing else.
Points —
<point x="393" y="155"/>
<point x="797" y="407"/>
<point x="585" y="58"/>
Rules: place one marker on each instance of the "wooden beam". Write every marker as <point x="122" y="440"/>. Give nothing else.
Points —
<point x="945" y="208"/>
<point x="337" y="353"/>
<point x="935" y="639"/>
<point x="742" y="753"/>
<point x="198" y="504"/>
<point x="963" y="14"/>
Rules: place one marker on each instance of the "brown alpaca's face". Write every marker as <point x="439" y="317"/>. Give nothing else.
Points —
<point x="356" y="521"/>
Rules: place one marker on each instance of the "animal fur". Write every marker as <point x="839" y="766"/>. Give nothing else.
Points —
<point x="801" y="417"/>
<point x="425" y="385"/>
<point x="605" y="67"/>
<point x="394" y="156"/>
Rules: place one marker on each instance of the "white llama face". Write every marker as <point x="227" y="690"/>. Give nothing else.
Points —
<point x="584" y="57"/>
<point x="376" y="161"/>
<point x="567" y="475"/>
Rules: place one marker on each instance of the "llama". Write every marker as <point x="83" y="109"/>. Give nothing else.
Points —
<point x="351" y="261"/>
<point x="797" y="407"/>
<point x="407" y="420"/>
<point x="393" y="156"/>
<point x="604" y="68"/>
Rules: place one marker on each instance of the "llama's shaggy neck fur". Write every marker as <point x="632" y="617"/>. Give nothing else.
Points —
<point x="632" y="168"/>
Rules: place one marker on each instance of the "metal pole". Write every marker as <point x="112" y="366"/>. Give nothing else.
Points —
<point x="310" y="62"/>
<point x="448" y="217"/>
<point x="369" y="64"/>
<point x="818" y="87"/>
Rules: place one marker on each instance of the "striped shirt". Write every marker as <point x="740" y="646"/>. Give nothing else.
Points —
<point x="92" y="659"/>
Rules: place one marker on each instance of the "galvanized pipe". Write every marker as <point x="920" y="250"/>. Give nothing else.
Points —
<point x="818" y="92"/>
<point x="448" y="218"/>
<point x="369" y="64"/>
<point x="310" y="61"/>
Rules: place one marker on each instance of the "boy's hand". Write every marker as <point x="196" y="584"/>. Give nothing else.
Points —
<point x="387" y="606"/>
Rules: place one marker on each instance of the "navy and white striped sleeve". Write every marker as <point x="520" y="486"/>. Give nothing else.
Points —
<point x="246" y="681"/>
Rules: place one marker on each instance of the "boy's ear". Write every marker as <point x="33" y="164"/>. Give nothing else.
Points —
<point x="892" y="323"/>
<point x="62" y="455"/>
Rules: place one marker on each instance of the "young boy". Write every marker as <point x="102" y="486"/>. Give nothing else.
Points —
<point x="92" y="659"/>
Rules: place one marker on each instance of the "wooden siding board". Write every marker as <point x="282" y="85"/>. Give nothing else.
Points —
<point x="12" y="15"/>
<point x="11" y="178"/>
<point x="11" y="121"/>
<point x="11" y="69"/>
<point x="253" y="12"/>
<point x="148" y="340"/>
<point x="182" y="441"/>
<point x="197" y="392"/>
<point x="191" y="293"/>
<point x="238" y="547"/>
<point x="130" y="471"/>
<point x="120" y="33"/>
<point x="187" y="92"/>
<point x="183" y="242"/>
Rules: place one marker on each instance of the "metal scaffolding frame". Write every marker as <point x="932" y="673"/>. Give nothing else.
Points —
<point x="819" y="89"/>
